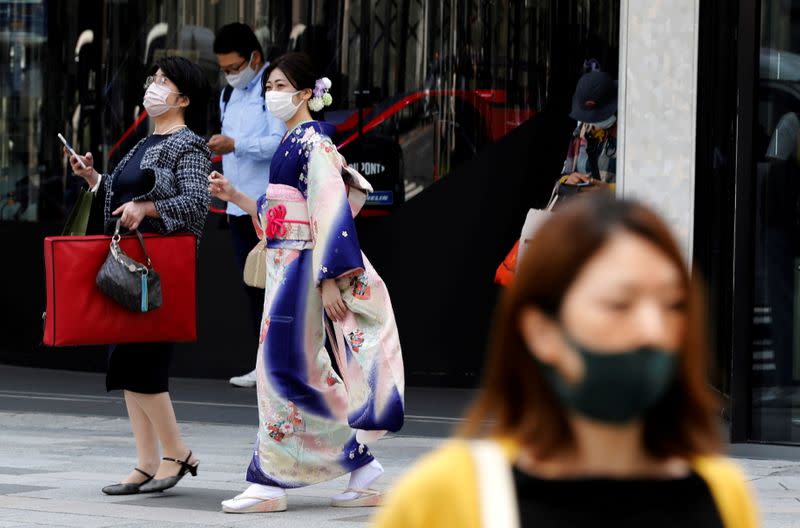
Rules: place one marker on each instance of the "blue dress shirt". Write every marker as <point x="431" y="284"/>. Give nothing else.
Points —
<point x="256" y="134"/>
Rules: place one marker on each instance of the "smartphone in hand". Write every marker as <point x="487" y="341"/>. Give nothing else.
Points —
<point x="71" y="150"/>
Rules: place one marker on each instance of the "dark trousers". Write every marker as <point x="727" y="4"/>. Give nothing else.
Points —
<point x="244" y="239"/>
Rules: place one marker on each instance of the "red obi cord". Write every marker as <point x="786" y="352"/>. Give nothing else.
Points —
<point x="276" y="222"/>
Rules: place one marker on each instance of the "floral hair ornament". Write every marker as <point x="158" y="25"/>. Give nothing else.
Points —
<point x="322" y="97"/>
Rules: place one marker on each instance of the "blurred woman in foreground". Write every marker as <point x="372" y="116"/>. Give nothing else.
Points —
<point x="595" y="409"/>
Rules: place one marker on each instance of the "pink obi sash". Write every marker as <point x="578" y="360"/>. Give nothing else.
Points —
<point x="286" y="216"/>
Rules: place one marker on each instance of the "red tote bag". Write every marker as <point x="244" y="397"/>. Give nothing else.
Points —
<point x="79" y="314"/>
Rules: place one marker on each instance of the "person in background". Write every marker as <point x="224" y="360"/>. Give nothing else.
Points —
<point x="591" y="161"/>
<point x="594" y="410"/>
<point x="248" y="140"/>
<point x="158" y="187"/>
<point x="592" y="154"/>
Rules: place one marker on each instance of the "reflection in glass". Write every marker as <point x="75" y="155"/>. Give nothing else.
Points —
<point x="419" y="87"/>
<point x="23" y="33"/>
<point x="776" y="344"/>
<point x="444" y="80"/>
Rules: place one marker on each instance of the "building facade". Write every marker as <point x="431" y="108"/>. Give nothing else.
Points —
<point x="457" y="113"/>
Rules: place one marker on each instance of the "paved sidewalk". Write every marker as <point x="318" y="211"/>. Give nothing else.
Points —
<point x="430" y="412"/>
<point x="777" y="484"/>
<point x="53" y="466"/>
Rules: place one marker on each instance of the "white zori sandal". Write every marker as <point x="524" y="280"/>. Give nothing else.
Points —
<point x="363" y="498"/>
<point x="252" y="504"/>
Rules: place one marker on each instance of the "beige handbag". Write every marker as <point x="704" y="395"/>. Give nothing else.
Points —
<point x="255" y="267"/>
<point x="534" y="220"/>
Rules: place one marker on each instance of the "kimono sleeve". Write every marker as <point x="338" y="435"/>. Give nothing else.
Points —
<point x="261" y="211"/>
<point x="336" y="249"/>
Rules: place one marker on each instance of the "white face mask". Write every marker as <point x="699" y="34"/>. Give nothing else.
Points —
<point x="241" y="79"/>
<point x="281" y="105"/>
<point x="608" y="123"/>
<point x="155" y="100"/>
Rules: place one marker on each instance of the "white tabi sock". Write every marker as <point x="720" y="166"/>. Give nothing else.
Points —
<point x="251" y="496"/>
<point x="267" y="492"/>
<point x="361" y="478"/>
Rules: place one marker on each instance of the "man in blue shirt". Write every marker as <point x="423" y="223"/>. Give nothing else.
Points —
<point x="248" y="139"/>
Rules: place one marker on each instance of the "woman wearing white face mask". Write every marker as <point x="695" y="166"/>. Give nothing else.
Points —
<point x="159" y="186"/>
<point x="316" y="411"/>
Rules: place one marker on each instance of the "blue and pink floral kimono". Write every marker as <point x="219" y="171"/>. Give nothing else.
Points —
<point x="315" y="414"/>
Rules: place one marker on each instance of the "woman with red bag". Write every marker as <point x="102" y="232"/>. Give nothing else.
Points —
<point x="158" y="187"/>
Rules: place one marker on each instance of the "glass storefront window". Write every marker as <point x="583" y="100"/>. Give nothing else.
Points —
<point x="23" y="32"/>
<point x="776" y="315"/>
<point x="443" y="80"/>
<point x="420" y="87"/>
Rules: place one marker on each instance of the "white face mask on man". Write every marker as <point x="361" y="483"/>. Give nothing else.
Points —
<point x="281" y="105"/>
<point x="242" y="78"/>
<point x="155" y="99"/>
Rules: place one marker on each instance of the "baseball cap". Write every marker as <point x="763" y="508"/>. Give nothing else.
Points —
<point x="595" y="98"/>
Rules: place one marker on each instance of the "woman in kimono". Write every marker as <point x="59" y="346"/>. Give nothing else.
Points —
<point x="316" y="409"/>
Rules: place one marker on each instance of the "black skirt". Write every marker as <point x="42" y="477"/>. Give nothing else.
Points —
<point x="139" y="367"/>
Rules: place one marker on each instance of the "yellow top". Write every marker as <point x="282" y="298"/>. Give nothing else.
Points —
<point x="442" y="491"/>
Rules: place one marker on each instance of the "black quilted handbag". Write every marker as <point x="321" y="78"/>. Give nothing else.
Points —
<point x="131" y="284"/>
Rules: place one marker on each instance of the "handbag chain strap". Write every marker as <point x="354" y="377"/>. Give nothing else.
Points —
<point x="118" y="253"/>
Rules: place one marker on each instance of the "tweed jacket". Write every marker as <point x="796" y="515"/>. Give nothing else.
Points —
<point x="181" y="164"/>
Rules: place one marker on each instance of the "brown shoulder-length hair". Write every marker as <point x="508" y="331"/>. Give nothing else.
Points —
<point x="517" y="402"/>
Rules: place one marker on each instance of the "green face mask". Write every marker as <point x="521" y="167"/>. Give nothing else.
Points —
<point x="616" y="388"/>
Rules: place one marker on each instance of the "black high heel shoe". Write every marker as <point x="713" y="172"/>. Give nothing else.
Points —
<point x="128" y="488"/>
<point x="169" y="482"/>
